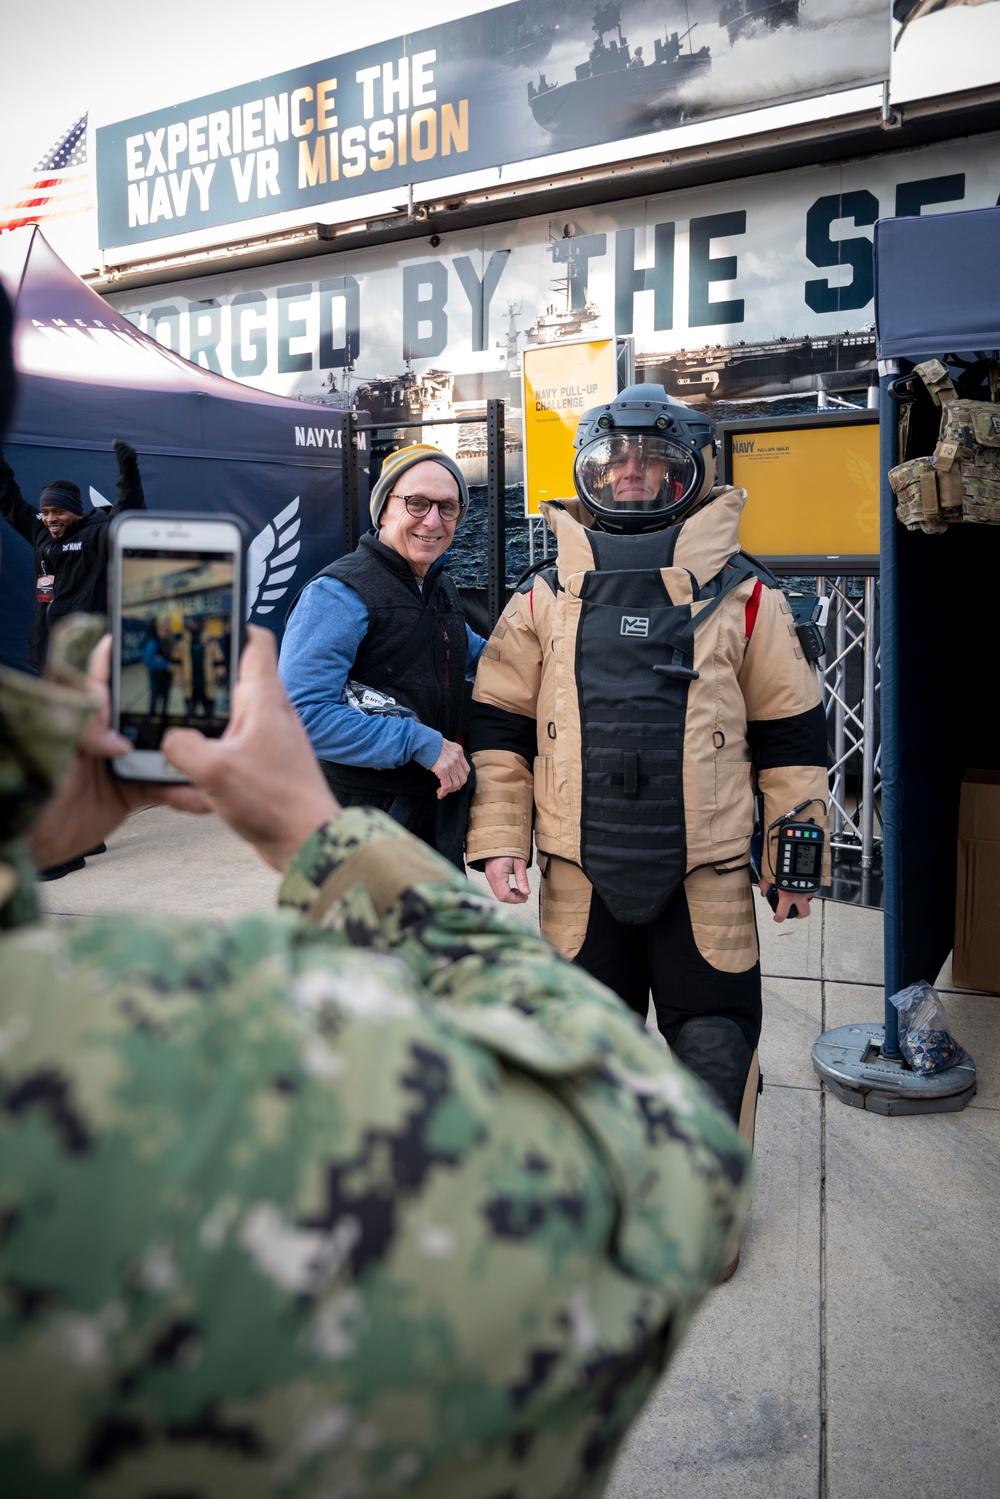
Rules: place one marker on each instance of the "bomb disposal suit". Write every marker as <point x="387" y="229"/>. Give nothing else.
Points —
<point x="630" y="700"/>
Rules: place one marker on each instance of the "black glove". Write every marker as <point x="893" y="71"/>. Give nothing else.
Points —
<point x="128" y="462"/>
<point x="130" y="495"/>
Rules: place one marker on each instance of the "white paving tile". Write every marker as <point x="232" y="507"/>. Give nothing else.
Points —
<point x="737" y="1414"/>
<point x="161" y="861"/>
<point x="852" y="943"/>
<point x="913" y="1305"/>
<point x="792" y="1021"/>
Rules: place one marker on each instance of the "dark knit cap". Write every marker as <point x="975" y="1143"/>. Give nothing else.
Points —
<point x="396" y="465"/>
<point x="62" y="495"/>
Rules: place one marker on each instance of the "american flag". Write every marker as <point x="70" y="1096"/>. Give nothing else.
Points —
<point x="59" y="187"/>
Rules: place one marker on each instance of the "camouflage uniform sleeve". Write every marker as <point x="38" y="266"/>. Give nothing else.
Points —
<point x="386" y="1200"/>
<point x="501" y="986"/>
<point x="367" y="854"/>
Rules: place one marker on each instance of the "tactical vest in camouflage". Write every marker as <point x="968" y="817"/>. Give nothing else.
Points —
<point x="960" y="481"/>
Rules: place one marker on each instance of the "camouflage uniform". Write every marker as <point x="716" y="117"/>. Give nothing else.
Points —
<point x="369" y="1196"/>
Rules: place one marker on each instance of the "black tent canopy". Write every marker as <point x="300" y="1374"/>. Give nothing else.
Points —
<point x="937" y="293"/>
<point x="87" y="376"/>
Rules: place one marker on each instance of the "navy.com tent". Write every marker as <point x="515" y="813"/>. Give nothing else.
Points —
<point x="87" y="376"/>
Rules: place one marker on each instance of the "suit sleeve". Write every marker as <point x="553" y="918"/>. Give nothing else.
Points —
<point x="502" y="737"/>
<point x="14" y="507"/>
<point x="786" y="725"/>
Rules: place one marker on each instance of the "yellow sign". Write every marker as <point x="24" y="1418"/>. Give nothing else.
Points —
<point x="561" y="382"/>
<point x="813" y="491"/>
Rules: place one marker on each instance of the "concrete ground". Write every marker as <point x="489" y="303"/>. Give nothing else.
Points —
<point x="856" y="1352"/>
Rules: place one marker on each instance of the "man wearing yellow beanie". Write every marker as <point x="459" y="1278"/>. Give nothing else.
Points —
<point x="376" y="656"/>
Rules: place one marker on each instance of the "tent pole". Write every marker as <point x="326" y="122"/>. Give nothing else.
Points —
<point x="891" y="777"/>
<point x="496" y="478"/>
<point x="349" y="479"/>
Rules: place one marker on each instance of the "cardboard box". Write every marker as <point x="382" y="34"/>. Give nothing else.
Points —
<point x="976" y="963"/>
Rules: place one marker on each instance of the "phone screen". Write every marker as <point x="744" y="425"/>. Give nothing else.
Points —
<point x="176" y="643"/>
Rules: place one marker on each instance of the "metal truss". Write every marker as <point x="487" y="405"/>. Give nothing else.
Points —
<point x="850" y="685"/>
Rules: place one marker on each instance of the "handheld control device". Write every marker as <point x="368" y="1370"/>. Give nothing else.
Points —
<point x="798" y="857"/>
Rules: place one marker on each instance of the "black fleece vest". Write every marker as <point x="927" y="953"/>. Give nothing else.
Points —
<point x="433" y="685"/>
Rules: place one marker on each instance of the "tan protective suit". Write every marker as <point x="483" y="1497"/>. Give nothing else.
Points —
<point x="215" y="663"/>
<point x="754" y="688"/>
<point x="528" y="669"/>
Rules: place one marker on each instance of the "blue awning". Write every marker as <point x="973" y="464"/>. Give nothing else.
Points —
<point x="937" y="284"/>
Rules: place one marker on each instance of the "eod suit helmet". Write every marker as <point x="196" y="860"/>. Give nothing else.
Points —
<point x="644" y="461"/>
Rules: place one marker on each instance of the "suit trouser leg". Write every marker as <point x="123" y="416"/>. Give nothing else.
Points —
<point x="700" y="959"/>
<point x="705" y="975"/>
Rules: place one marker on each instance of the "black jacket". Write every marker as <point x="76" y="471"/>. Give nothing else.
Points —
<point x="433" y="682"/>
<point x="77" y="561"/>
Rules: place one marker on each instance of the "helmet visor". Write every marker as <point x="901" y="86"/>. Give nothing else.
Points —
<point x="646" y="474"/>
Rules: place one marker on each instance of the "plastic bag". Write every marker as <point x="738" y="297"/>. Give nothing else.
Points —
<point x="924" y="1038"/>
<point x="370" y="701"/>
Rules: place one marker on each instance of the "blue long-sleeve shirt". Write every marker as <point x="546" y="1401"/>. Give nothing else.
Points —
<point x="319" y="648"/>
<point x="153" y="657"/>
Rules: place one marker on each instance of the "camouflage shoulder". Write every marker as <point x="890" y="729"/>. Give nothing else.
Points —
<point x="364" y="857"/>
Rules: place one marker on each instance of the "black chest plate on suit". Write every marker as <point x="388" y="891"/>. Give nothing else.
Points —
<point x="634" y="669"/>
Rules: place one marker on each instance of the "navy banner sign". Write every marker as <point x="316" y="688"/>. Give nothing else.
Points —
<point x="507" y="85"/>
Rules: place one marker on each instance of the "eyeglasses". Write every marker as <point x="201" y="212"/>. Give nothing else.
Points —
<point x="621" y="450"/>
<point x="419" y="504"/>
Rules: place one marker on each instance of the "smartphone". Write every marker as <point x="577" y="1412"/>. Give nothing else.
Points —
<point x="177" y="610"/>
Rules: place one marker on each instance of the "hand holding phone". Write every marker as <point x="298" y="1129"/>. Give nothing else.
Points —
<point x="177" y="600"/>
<point x="261" y="777"/>
<point x="90" y="802"/>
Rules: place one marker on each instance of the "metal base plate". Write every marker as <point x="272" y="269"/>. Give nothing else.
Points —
<point x="848" y="1060"/>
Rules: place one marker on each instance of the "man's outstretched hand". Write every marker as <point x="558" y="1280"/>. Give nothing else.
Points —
<point x="128" y="460"/>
